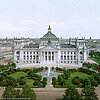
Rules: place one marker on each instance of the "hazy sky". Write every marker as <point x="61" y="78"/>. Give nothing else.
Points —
<point x="68" y="18"/>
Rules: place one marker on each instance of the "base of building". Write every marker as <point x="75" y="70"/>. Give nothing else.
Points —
<point x="49" y="65"/>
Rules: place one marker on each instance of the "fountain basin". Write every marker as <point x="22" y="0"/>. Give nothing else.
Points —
<point x="50" y="75"/>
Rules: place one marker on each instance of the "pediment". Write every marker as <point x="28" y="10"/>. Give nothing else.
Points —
<point x="49" y="48"/>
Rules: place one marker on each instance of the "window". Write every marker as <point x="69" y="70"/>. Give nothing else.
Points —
<point x="27" y="57"/>
<point x="64" y="57"/>
<point x="81" y="52"/>
<point x="64" y="61"/>
<point x="27" y="52"/>
<point x="31" y="57"/>
<point x="30" y="52"/>
<point x="71" y="62"/>
<point x="17" y="52"/>
<point x="71" y="52"/>
<point x="45" y="57"/>
<point x="74" y="57"/>
<point x="61" y="61"/>
<point x="52" y="57"/>
<point x="61" y="57"/>
<point x="64" y="52"/>
<point x="52" y="52"/>
<point x="71" y="58"/>
<point x="68" y="52"/>
<point x="67" y="61"/>
<point x="37" y="57"/>
<point x="17" y="57"/>
<point x="24" y="52"/>
<point x="24" y="57"/>
<point x="68" y="57"/>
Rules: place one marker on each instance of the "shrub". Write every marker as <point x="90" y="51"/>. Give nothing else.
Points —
<point x="52" y="68"/>
<point x="75" y="81"/>
<point x="44" y="83"/>
<point x="22" y="82"/>
<point x="44" y="79"/>
<point x="36" y="83"/>
<point x="53" y="79"/>
<point x="46" y="68"/>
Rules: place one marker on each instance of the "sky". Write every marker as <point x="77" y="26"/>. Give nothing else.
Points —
<point x="67" y="18"/>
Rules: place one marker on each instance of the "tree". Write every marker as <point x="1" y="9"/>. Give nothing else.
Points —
<point x="44" y="83"/>
<point x="36" y="83"/>
<point x="88" y="93"/>
<point x="71" y="94"/>
<point x="41" y="68"/>
<point x="44" y="79"/>
<point x="27" y="92"/>
<point x="63" y="82"/>
<point x="39" y="77"/>
<point x="86" y="82"/>
<point x="9" y="92"/>
<point x="13" y="65"/>
<point x="59" y="78"/>
<point x="46" y="68"/>
<point x="52" y="68"/>
<point x="53" y="79"/>
<point x="54" y="82"/>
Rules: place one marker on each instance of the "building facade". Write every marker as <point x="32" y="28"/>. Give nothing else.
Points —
<point x="50" y="50"/>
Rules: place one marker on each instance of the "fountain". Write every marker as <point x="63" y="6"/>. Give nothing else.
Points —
<point x="48" y="71"/>
<point x="49" y="74"/>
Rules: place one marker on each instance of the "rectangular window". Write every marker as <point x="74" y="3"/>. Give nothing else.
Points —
<point x="52" y="57"/>
<point x="61" y="57"/>
<point x="64" y="57"/>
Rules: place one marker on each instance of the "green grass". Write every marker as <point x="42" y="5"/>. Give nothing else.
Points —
<point x="69" y="80"/>
<point x="18" y="74"/>
<point x="97" y="60"/>
<point x="29" y="81"/>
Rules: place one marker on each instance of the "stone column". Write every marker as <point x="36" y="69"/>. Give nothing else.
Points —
<point x="44" y="56"/>
<point x="51" y="56"/>
<point x="41" y="57"/>
<point x="47" y="56"/>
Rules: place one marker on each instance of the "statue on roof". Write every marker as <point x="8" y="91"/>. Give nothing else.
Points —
<point x="49" y="28"/>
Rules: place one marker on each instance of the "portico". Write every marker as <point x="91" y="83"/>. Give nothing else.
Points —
<point x="49" y="55"/>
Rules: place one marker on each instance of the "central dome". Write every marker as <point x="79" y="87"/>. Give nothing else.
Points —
<point x="49" y="35"/>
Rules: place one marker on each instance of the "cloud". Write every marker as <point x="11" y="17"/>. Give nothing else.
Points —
<point x="97" y="19"/>
<point x="83" y="20"/>
<point x="59" y="25"/>
<point x="8" y="27"/>
<point x="29" y="22"/>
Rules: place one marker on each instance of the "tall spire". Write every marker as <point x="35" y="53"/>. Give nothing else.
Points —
<point x="49" y="28"/>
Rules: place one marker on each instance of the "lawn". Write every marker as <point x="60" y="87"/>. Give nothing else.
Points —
<point x="69" y="80"/>
<point x="18" y="74"/>
<point x="29" y="81"/>
<point x="97" y="60"/>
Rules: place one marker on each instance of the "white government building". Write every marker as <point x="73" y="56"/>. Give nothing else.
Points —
<point x="49" y="50"/>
